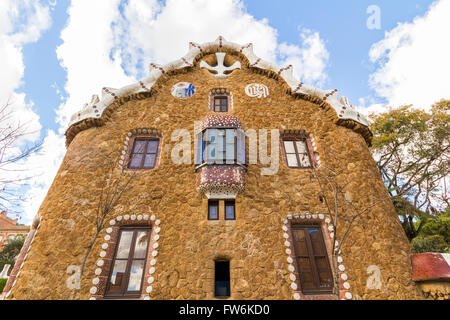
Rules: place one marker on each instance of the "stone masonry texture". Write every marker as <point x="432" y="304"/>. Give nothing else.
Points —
<point x="189" y="243"/>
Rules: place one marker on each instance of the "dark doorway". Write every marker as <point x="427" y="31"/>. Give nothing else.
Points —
<point x="222" y="279"/>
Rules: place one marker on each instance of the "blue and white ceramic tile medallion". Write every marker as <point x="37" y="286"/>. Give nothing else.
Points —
<point x="183" y="90"/>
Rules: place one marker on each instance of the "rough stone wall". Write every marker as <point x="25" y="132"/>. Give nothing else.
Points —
<point x="188" y="242"/>
<point x="435" y="290"/>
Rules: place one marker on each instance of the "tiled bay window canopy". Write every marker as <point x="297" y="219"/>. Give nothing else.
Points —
<point x="220" y="157"/>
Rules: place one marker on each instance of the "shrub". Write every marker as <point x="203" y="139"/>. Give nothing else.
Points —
<point x="434" y="243"/>
<point x="2" y="284"/>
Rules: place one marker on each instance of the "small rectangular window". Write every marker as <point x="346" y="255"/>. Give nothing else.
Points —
<point x="213" y="210"/>
<point x="230" y="210"/>
<point x="144" y="153"/>
<point x="297" y="153"/>
<point x="221" y="104"/>
<point x="222" y="279"/>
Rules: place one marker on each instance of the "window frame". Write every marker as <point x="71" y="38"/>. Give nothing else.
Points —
<point x="131" y="149"/>
<point x="309" y="149"/>
<point x="221" y="98"/>
<point x="222" y="95"/>
<point x="130" y="259"/>
<point x="234" y="209"/>
<point x="312" y="258"/>
<point x="215" y="279"/>
<point x="201" y="149"/>
<point x="210" y="201"/>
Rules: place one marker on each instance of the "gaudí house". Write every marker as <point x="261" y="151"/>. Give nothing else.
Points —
<point x="219" y="176"/>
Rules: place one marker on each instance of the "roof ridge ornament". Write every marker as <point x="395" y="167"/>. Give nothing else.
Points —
<point x="109" y="95"/>
<point x="220" y="68"/>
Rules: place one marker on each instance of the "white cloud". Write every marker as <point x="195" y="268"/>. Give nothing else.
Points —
<point x="103" y="47"/>
<point x="413" y="60"/>
<point x="310" y="60"/>
<point x="21" y="22"/>
<point x="114" y="48"/>
<point x="148" y="32"/>
<point x="43" y="165"/>
<point x="86" y="54"/>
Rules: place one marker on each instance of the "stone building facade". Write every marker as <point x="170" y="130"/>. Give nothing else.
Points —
<point x="10" y="229"/>
<point x="222" y="146"/>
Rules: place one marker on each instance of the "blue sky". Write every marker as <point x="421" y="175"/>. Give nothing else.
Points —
<point x="60" y="53"/>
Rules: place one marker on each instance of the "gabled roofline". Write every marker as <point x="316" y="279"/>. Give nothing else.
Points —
<point x="96" y="112"/>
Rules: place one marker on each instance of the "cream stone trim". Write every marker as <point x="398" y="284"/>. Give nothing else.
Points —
<point x="98" y="105"/>
<point x="150" y="268"/>
<point x="316" y="152"/>
<point x="297" y="217"/>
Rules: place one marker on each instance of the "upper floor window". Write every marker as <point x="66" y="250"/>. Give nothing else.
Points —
<point x="128" y="265"/>
<point x="220" y="100"/>
<point x="144" y="153"/>
<point x="298" y="152"/>
<point x="312" y="260"/>
<point x="221" y="146"/>
<point x="221" y="104"/>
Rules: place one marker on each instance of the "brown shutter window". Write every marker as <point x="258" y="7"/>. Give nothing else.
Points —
<point x="312" y="260"/>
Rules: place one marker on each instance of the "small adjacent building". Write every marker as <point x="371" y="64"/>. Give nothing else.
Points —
<point x="431" y="272"/>
<point x="10" y="229"/>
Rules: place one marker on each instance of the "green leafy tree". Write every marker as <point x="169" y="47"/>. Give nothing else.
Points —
<point x="434" y="235"/>
<point x="10" y="251"/>
<point x="412" y="150"/>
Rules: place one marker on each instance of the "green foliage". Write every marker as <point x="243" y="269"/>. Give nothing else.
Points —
<point x="434" y="235"/>
<point x="412" y="151"/>
<point x="2" y="284"/>
<point x="10" y="251"/>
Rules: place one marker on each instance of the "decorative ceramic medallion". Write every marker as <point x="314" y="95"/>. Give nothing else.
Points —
<point x="257" y="90"/>
<point x="183" y="90"/>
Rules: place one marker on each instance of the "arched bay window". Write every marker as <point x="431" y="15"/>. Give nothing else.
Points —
<point x="221" y="146"/>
